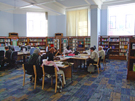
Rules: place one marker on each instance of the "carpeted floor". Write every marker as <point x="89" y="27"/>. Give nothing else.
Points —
<point x="109" y="85"/>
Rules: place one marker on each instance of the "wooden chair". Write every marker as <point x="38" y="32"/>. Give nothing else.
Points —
<point x="96" y="64"/>
<point x="31" y="70"/>
<point x="104" y="63"/>
<point x="53" y="72"/>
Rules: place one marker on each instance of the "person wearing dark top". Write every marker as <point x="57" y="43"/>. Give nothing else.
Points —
<point x="56" y="52"/>
<point x="7" y="56"/>
<point x="35" y="59"/>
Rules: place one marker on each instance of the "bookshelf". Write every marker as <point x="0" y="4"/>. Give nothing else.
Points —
<point x="22" y="41"/>
<point x="104" y="42"/>
<point x="114" y="47"/>
<point x="38" y="42"/>
<point x="5" y="41"/>
<point x="73" y="43"/>
<point x="50" y="41"/>
<point x="81" y="44"/>
<point x="64" y="43"/>
<point x="56" y="43"/>
<point x="131" y="60"/>
<point x="87" y="43"/>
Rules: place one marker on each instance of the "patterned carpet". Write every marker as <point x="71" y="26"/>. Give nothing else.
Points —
<point x="109" y="85"/>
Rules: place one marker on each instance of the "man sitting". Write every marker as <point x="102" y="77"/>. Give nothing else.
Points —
<point x="101" y="52"/>
<point x="93" y="56"/>
<point x="7" y="56"/>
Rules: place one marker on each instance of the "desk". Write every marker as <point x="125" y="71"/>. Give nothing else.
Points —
<point x="22" y="55"/>
<point x="81" y="57"/>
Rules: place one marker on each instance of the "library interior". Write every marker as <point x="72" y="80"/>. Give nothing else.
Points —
<point x="67" y="50"/>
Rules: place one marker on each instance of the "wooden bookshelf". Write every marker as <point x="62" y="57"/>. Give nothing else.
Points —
<point x="131" y="59"/>
<point x="5" y="41"/>
<point x="22" y="41"/>
<point x="73" y="43"/>
<point x="37" y="42"/>
<point x="104" y="42"/>
<point x="87" y="42"/>
<point x="64" y="43"/>
<point x="50" y="41"/>
<point x="81" y="44"/>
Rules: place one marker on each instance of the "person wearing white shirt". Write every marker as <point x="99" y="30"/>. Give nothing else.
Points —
<point x="67" y="50"/>
<point x="93" y="56"/>
<point x="101" y="52"/>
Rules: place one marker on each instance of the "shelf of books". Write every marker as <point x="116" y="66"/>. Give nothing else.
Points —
<point x="73" y="43"/>
<point x="64" y="43"/>
<point x="114" y="47"/>
<point x="22" y="41"/>
<point x="131" y="60"/>
<point x="38" y="42"/>
<point x="81" y="44"/>
<point x="104" y="42"/>
<point x="5" y="41"/>
<point x="50" y="41"/>
<point x="123" y="47"/>
<point x="87" y="43"/>
<point x="57" y="43"/>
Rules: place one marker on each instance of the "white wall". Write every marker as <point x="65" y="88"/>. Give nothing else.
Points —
<point x="20" y="24"/>
<point x="6" y="23"/>
<point x="56" y="24"/>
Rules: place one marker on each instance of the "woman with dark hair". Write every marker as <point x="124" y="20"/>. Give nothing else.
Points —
<point x="56" y="52"/>
<point x="93" y="56"/>
<point x="67" y="50"/>
<point x="50" y="62"/>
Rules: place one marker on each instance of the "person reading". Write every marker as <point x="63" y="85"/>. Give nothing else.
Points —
<point x="101" y="52"/>
<point x="50" y="62"/>
<point x="93" y="56"/>
<point x="56" y="52"/>
<point x="67" y="50"/>
<point x="7" y="56"/>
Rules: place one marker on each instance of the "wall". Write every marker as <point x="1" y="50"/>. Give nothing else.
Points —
<point x="6" y="23"/>
<point x="56" y="24"/>
<point x="20" y="24"/>
<point x="104" y="21"/>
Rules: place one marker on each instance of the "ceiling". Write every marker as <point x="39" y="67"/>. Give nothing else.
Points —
<point x="51" y="6"/>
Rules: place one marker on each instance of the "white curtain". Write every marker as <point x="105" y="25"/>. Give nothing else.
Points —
<point x="77" y="23"/>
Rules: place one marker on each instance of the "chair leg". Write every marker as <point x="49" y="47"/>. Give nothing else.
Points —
<point x="35" y="82"/>
<point x="43" y="81"/>
<point x="51" y="81"/>
<point x="98" y="68"/>
<point x="62" y="81"/>
<point x="56" y="84"/>
<point x="24" y="79"/>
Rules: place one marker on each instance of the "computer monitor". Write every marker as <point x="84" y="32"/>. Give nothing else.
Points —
<point x="23" y="47"/>
<point x="11" y="47"/>
<point x="28" y="48"/>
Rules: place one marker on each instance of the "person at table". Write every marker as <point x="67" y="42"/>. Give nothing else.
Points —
<point x="67" y="50"/>
<point x="35" y="59"/>
<point x="93" y="56"/>
<point x="56" y="52"/>
<point x="101" y="52"/>
<point x="51" y="51"/>
<point x="7" y="56"/>
<point x="51" y="62"/>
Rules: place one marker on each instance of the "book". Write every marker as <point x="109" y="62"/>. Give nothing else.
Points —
<point x="134" y="67"/>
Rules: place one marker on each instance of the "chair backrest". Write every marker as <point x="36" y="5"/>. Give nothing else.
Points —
<point x="14" y="55"/>
<point x="1" y="55"/>
<point x="107" y="53"/>
<point x="32" y="50"/>
<point x="49" y="69"/>
<point x="28" y="68"/>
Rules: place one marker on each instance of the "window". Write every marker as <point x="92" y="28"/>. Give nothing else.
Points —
<point x="77" y="23"/>
<point x="37" y="24"/>
<point x="121" y="20"/>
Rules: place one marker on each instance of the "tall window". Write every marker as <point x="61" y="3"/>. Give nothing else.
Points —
<point x="77" y="23"/>
<point x="37" y="24"/>
<point x="121" y="20"/>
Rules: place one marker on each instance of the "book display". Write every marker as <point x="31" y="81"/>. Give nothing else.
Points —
<point x="87" y="43"/>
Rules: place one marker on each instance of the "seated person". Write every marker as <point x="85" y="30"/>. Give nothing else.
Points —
<point x="56" y="52"/>
<point x="51" y="50"/>
<point x="76" y="52"/>
<point x="101" y="52"/>
<point x="93" y="56"/>
<point x="35" y="59"/>
<point x="32" y="50"/>
<point x="50" y="62"/>
<point x="7" y="55"/>
<point x="67" y="50"/>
